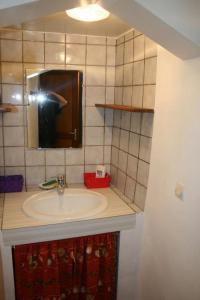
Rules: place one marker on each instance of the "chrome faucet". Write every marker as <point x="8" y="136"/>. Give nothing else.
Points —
<point x="61" y="184"/>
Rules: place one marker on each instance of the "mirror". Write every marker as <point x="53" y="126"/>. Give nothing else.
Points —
<point x="54" y="108"/>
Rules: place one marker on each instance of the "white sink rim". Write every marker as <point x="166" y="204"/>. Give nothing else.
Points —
<point x="30" y="211"/>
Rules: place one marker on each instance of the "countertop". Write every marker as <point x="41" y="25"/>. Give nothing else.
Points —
<point x="18" y="228"/>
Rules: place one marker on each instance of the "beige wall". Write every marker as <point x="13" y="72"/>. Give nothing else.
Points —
<point x="95" y="56"/>
<point x="171" y="250"/>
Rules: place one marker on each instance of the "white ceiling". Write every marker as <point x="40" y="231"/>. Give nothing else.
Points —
<point x="174" y="24"/>
<point x="60" y="22"/>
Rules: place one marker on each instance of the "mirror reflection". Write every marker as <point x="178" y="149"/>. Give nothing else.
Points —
<point x="55" y="108"/>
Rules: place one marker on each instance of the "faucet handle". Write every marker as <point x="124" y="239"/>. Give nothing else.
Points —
<point x="61" y="179"/>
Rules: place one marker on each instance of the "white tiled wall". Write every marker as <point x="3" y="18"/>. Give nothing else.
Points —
<point x="121" y="71"/>
<point x="132" y="132"/>
<point x="95" y="56"/>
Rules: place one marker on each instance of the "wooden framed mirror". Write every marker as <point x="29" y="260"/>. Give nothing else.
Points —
<point x="54" y="108"/>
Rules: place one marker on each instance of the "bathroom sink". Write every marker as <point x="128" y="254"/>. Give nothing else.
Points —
<point x="73" y="204"/>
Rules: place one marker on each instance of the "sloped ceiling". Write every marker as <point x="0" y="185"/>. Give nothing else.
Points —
<point x="174" y="24"/>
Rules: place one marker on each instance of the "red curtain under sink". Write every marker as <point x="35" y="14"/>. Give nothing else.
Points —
<point x="81" y="268"/>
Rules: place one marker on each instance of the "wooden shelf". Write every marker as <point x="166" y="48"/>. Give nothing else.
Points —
<point x="7" y="107"/>
<point x="125" y="108"/>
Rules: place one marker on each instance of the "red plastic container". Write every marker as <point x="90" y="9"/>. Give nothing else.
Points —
<point x="92" y="182"/>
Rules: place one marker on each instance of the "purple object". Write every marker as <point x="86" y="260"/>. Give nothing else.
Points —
<point x="11" y="184"/>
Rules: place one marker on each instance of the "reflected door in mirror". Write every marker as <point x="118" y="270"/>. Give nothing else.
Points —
<point x="55" y="103"/>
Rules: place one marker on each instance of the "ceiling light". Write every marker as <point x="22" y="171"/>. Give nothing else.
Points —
<point x="88" y="13"/>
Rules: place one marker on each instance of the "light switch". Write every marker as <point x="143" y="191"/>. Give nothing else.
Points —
<point x="179" y="190"/>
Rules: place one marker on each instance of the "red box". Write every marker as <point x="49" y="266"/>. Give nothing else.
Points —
<point x="92" y="182"/>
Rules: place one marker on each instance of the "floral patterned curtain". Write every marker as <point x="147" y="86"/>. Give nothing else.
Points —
<point x="81" y="268"/>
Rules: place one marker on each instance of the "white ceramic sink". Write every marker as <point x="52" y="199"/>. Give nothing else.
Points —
<point x="73" y="204"/>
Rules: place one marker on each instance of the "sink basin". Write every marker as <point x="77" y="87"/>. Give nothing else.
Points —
<point x="73" y="204"/>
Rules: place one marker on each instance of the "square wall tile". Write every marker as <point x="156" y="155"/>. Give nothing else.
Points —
<point x="108" y="117"/>
<point x="136" y="122"/>
<point x="119" y="74"/>
<point x="128" y="74"/>
<point x="124" y="140"/>
<point x="138" y="72"/>
<point x="55" y="157"/>
<point x="94" y="155"/>
<point x="125" y="120"/>
<point x="35" y="175"/>
<point x="108" y="136"/>
<point x="121" y="181"/>
<point x="134" y="144"/>
<point x="120" y="40"/>
<point x="54" y="171"/>
<point x="94" y="135"/>
<point x="96" y="40"/>
<point x="147" y="124"/>
<point x="130" y="188"/>
<point x="137" y="96"/>
<point x="150" y="48"/>
<point x="75" y="156"/>
<point x="75" y="54"/>
<point x="15" y="171"/>
<point x="111" y="41"/>
<point x="115" y="137"/>
<point x="75" y="39"/>
<point x="95" y="95"/>
<point x="122" y="163"/>
<point x="74" y="174"/>
<point x="33" y="52"/>
<point x="12" y="93"/>
<point x="96" y="55"/>
<point x="14" y="156"/>
<point x="140" y="196"/>
<point x="110" y="95"/>
<point x="13" y="136"/>
<point x="11" y="35"/>
<point x="128" y="52"/>
<point x="117" y="118"/>
<point x="110" y="61"/>
<point x="113" y="173"/>
<point x="95" y="76"/>
<point x="129" y="35"/>
<point x="149" y="96"/>
<point x="150" y="70"/>
<point x="115" y="156"/>
<point x="54" y="53"/>
<point x="36" y="36"/>
<point x="94" y="116"/>
<point x="14" y="118"/>
<point x="34" y="157"/>
<point x="110" y="76"/>
<point x="145" y="148"/>
<point x="127" y="95"/>
<point x="11" y="50"/>
<point x="139" y="48"/>
<point x="2" y="159"/>
<point x="107" y="154"/>
<point x="120" y="54"/>
<point x="143" y="173"/>
<point x="12" y="73"/>
<point x="55" y="37"/>
<point x="132" y="166"/>
<point x="118" y="95"/>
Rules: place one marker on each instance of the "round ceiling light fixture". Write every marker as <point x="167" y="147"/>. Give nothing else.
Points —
<point x="88" y="13"/>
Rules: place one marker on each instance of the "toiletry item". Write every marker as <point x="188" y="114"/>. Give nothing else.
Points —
<point x="100" y="171"/>
<point x="49" y="184"/>
<point x="92" y="182"/>
<point x="11" y="183"/>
